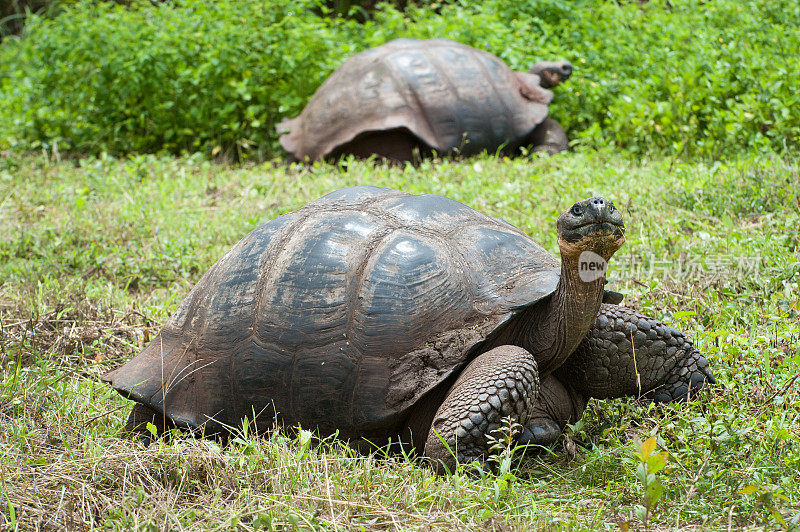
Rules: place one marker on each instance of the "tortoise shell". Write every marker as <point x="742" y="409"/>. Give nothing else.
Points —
<point x="448" y="95"/>
<point x="340" y="315"/>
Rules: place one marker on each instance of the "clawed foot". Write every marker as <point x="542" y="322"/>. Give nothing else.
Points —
<point x="685" y="381"/>
<point x="540" y="431"/>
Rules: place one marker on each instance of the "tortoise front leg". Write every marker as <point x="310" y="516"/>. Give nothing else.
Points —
<point x="624" y="354"/>
<point x="548" y="137"/>
<point x="500" y="383"/>
<point x="628" y="354"/>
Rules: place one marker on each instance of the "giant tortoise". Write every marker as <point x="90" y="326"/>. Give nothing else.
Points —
<point x="390" y="316"/>
<point x="412" y="96"/>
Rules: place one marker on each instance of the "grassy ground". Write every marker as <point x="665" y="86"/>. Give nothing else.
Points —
<point x="96" y="254"/>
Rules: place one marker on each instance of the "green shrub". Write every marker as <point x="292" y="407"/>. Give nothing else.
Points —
<point x="146" y="78"/>
<point x="699" y="79"/>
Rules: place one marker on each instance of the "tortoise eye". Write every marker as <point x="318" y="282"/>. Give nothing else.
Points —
<point x="577" y="210"/>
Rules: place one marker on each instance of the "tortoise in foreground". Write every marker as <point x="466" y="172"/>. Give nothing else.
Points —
<point x="411" y="96"/>
<point x="385" y="315"/>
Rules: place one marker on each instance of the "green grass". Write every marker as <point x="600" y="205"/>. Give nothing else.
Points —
<point x="96" y="253"/>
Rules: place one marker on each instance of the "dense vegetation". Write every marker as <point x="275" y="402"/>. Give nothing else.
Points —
<point x="690" y="77"/>
<point x="95" y="254"/>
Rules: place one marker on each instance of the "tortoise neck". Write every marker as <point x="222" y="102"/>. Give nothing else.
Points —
<point x="552" y="333"/>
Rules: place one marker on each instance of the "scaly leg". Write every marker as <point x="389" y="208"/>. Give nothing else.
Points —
<point x="500" y="383"/>
<point x="625" y="354"/>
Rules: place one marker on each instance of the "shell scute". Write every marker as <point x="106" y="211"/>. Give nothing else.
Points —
<point x="403" y="285"/>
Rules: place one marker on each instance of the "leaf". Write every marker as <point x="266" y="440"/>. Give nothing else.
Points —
<point x="647" y="447"/>
<point x="653" y="492"/>
<point x="304" y="437"/>
<point x="684" y="314"/>
<point x="505" y="465"/>
<point x="641" y="473"/>
<point x="657" y="462"/>
<point x="152" y="429"/>
<point x="777" y="516"/>
<point x="749" y="490"/>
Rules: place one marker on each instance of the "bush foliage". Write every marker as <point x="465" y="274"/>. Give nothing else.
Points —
<point x="698" y="78"/>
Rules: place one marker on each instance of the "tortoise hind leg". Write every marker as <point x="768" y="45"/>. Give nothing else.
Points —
<point x="685" y="380"/>
<point x="500" y="383"/>
<point x="140" y="416"/>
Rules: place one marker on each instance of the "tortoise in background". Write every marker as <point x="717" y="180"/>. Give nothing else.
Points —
<point x="385" y="315"/>
<point x="409" y="97"/>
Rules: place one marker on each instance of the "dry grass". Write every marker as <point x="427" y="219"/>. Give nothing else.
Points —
<point x="244" y="485"/>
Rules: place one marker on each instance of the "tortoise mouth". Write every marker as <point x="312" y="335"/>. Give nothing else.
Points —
<point x="600" y="229"/>
<point x="603" y="228"/>
<point x="603" y="233"/>
<point x="608" y="225"/>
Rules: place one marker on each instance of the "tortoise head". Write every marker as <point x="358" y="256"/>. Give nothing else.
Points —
<point x="594" y="225"/>
<point x="552" y="73"/>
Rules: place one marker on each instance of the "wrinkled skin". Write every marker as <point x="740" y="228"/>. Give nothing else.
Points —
<point x="549" y="136"/>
